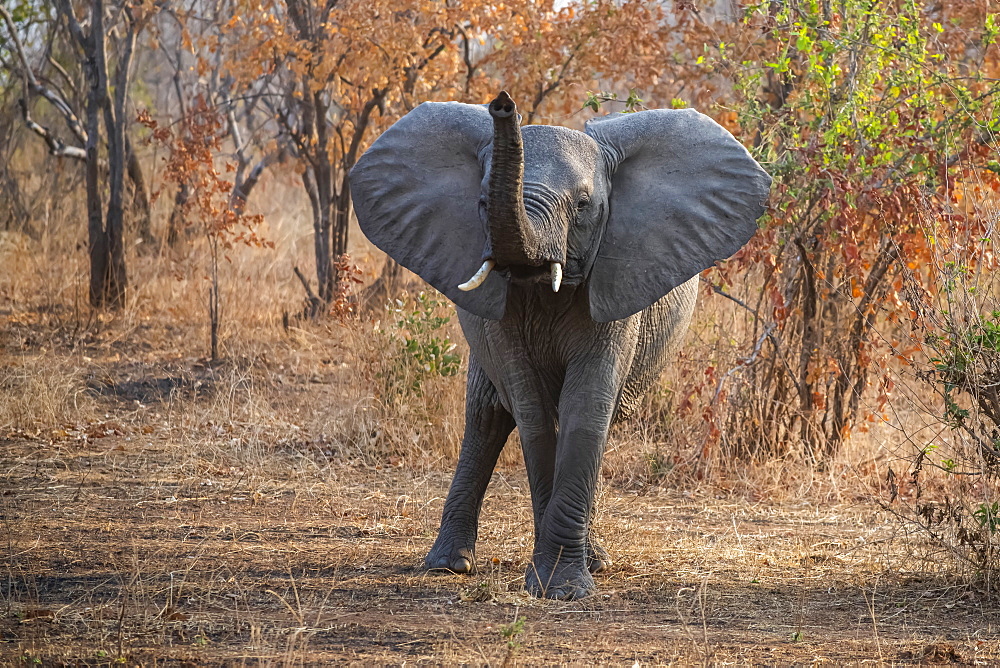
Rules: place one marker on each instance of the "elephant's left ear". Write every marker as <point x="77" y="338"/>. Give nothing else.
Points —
<point x="684" y="194"/>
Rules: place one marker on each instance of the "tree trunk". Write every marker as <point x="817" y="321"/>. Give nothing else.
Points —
<point x="319" y="199"/>
<point x="140" y="197"/>
<point x="96" y="98"/>
<point x="177" y="223"/>
<point x="114" y="120"/>
<point x="108" y="278"/>
<point x="323" y="168"/>
<point x="243" y="186"/>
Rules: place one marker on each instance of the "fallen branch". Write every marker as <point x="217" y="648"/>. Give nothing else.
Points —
<point x="315" y="303"/>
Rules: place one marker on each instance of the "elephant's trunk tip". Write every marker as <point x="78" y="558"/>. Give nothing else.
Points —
<point x="502" y="106"/>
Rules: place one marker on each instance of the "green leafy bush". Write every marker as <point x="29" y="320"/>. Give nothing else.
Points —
<point x="417" y="345"/>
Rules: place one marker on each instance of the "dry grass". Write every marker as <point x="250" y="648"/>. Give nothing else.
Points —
<point x="274" y="508"/>
<point x="149" y="548"/>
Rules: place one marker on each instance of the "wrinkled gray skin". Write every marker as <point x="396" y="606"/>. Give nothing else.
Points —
<point x="632" y="209"/>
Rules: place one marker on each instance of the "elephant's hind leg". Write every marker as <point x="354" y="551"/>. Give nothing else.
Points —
<point x="487" y="426"/>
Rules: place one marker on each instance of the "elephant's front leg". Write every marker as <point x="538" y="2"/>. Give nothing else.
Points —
<point x="561" y="565"/>
<point x="487" y="426"/>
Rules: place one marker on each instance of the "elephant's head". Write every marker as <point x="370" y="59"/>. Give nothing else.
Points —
<point x="632" y="207"/>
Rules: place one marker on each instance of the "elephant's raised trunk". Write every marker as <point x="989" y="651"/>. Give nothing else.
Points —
<point x="512" y="238"/>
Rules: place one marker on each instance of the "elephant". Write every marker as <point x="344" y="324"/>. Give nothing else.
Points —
<point x="573" y="260"/>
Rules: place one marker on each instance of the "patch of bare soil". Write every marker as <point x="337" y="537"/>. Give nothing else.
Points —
<point x="139" y="548"/>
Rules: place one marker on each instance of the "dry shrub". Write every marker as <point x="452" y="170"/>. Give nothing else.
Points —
<point x="698" y="426"/>
<point x="945" y="484"/>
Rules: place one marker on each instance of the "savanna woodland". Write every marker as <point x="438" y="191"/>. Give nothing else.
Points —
<point x="228" y="422"/>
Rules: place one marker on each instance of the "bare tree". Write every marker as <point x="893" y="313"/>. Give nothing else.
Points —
<point x="108" y="277"/>
<point x="105" y="219"/>
<point x="305" y="111"/>
<point x="197" y="71"/>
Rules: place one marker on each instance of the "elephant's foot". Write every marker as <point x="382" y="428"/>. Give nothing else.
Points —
<point x="457" y="556"/>
<point x="597" y="557"/>
<point x="565" y="581"/>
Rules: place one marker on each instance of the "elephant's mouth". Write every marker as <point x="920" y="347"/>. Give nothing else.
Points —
<point x="549" y="272"/>
<point x="526" y="273"/>
<point x="522" y="274"/>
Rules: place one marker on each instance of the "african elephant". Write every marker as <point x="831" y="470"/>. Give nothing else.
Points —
<point x="583" y="250"/>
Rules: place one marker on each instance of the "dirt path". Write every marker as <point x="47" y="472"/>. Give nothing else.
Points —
<point x="163" y="555"/>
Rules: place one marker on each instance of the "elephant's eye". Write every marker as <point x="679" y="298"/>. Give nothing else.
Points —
<point x="582" y="203"/>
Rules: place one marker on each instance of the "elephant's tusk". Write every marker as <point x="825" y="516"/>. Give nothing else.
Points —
<point x="556" y="276"/>
<point x="478" y="278"/>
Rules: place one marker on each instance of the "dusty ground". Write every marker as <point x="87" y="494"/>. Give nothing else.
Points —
<point x="133" y="546"/>
<point x="159" y="511"/>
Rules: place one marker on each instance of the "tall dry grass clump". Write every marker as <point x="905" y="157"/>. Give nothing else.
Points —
<point x="39" y="394"/>
<point x="43" y="299"/>
<point x="408" y="389"/>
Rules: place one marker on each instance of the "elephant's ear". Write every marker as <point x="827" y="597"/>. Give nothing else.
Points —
<point x="684" y="194"/>
<point x="416" y="195"/>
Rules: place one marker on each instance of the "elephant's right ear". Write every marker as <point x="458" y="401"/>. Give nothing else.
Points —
<point x="416" y="195"/>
